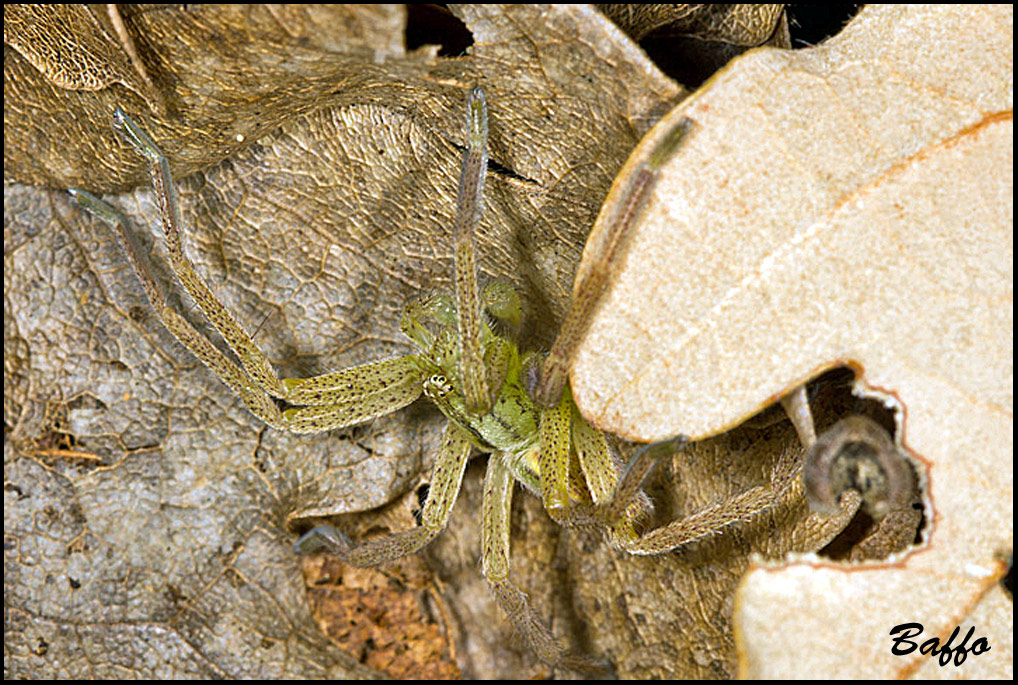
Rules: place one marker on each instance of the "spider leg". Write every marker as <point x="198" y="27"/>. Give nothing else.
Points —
<point x="553" y="458"/>
<point x="340" y="399"/>
<point x="593" y="281"/>
<point x="257" y="402"/>
<point x="251" y="357"/>
<point x="498" y="494"/>
<point x="796" y="405"/>
<point x="597" y="461"/>
<point x="618" y="502"/>
<point x="469" y="206"/>
<point x="351" y="396"/>
<point x="576" y="485"/>
<point x="498" y="355"/>
<point x="446" y="477"/>
<point x="700" y="524"/>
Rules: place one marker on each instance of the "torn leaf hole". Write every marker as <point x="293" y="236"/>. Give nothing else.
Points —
<point x="436" y="25"/>
<point x="857" y="450"/>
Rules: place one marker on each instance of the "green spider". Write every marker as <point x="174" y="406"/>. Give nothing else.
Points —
<point x="498" y="399"/>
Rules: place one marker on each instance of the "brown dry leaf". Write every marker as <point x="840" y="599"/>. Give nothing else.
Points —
<point x="147" y="514"/>
<point x="222" y="75"/>
<point x="852" y="204"/>
<point x="77" y="48"/>
<point x="209" y="80"/>
<point x="692" y="42"/>
<point x="748" y="25"/>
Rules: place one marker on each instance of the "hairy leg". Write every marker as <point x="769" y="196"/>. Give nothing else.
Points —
<point x="469" y="206"/>
<point x="333" y="400"/>
<point x="498" y="492"/>
<point x="553" y="458"/>
<point x="446" y="478"/>
<point x="626" y="500"/>
<point x="594" y="280"/>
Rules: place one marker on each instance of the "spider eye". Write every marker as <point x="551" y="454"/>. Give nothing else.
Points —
<point x="437" y="386"/>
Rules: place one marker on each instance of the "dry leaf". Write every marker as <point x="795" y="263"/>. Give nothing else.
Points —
<point x="226" y="75"/>
<point x="848" y="204"/>
<point x="77" y="48"/>
<point x="748" y="25"/>
<point x="956" y="392"/>
<point x="691" y="42"/>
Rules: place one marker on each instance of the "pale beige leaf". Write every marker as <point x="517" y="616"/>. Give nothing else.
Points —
<point x="784" y="140"/>
<point x="848" y="204"/>
<point x="958" y="418"/>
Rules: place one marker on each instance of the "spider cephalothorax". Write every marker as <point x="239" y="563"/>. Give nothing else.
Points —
<point x="490" y="390"/>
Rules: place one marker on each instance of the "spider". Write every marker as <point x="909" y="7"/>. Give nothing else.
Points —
<point x="499" y="399"/>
